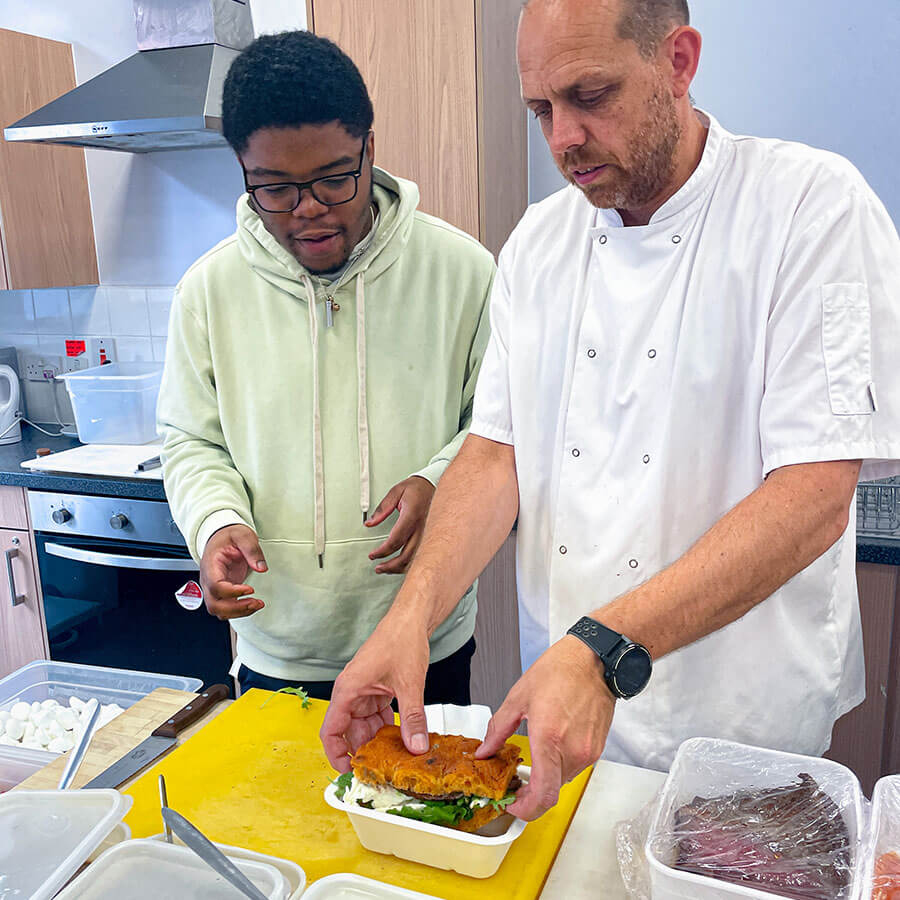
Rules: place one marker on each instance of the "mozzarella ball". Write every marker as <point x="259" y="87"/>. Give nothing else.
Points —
<point x="15" y="728"/>
<point x="21" y="711"/>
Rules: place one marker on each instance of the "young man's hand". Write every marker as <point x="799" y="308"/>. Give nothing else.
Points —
<point x="230" y="554"/>
<point x="412" y="497"/>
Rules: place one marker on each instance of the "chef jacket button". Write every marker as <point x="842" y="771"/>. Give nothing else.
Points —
<point x="563" y="550"/>
<point x="592" y="353"/>
<point x="602" y="239"/>
<point x="633" y="563"/>
<point x="576" y="452"/>
<point x="651" y="353"/>
<point x="676" y="238"/>
<point x="646" y="458"/>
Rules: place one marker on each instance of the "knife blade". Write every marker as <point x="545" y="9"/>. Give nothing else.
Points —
<point x="161" y="740"/>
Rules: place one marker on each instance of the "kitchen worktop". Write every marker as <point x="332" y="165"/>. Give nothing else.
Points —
<point x="11" y="471"/>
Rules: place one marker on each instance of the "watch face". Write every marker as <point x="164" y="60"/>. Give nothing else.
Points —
<point x="633" y="671"/>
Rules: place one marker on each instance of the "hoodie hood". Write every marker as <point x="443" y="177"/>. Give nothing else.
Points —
<point x="397" y="201"/>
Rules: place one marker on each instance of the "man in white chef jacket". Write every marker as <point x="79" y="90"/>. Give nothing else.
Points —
<point x="693" y="359"/>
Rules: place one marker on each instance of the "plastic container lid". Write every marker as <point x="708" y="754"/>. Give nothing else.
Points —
<point x="18" y="763"/>
<point x="295" y="876"/>
<point x="150" y="870"/>
<point x="475" y="855"/>
<point x="355" y="887"/>
<point x="884" y="830"/>
<point x="116" y="376"/>
<point x="45" y="836"/>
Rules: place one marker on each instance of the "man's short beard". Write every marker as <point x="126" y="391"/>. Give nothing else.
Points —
<point x="652" y="160"/>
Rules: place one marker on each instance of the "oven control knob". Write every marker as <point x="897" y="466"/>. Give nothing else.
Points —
<point x="61" y="516"/>
<point x="118" y="521"/>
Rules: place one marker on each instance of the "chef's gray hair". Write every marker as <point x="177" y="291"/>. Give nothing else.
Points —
<point x="647" y="22"/>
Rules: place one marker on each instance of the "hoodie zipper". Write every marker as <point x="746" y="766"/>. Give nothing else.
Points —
<point x="330" y="308"/>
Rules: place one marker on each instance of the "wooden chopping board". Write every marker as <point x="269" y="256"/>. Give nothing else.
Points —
<point x="255" y="776"/>
<point x="113" y="740"/>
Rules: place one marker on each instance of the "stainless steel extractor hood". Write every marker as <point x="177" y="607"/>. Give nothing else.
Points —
<point x="165" y="98"/>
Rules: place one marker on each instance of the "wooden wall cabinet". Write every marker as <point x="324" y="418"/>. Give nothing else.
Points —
<point x="867" y="739"/>
<point x="23" y="634"/>
<point x="46" y="229"/>
<point x="448" y="113"/>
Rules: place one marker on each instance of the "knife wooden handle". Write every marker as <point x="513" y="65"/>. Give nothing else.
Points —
<point x="193" y="711"/>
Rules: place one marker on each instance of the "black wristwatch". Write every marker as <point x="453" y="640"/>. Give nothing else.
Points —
<point x="626" y="664"/>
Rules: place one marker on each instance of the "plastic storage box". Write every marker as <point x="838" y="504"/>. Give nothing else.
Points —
<point x="115" y="403"/>
<point x="883" y="844"/>
<point x="45" y="836"/>
<point x="704" y="767"/>
<point x="475" y="855"/>
<point x="150" y="870"/>
<point x="18" y="763"/>
<point x="43" y="680"/>
<point x="355" y="887"/>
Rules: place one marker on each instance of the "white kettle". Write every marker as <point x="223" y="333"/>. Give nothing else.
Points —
<point x="10" y="426"/>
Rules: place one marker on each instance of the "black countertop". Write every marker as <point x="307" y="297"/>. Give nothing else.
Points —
<point x="868" y="549"/>
<point x="11" y="471"/>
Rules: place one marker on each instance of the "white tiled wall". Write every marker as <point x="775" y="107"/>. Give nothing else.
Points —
<point x="31" y="321"/>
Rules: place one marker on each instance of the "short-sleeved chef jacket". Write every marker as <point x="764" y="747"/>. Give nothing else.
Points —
<point x="649" y="379"/>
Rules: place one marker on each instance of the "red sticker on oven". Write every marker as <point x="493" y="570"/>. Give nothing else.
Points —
<point x="190" y="596"/>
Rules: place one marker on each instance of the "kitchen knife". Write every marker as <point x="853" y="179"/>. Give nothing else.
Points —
<point x="162" y="739"/>
<point x="197" y="841"/>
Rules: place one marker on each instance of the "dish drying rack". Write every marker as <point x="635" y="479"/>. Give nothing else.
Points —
<point x="878" y="507"/>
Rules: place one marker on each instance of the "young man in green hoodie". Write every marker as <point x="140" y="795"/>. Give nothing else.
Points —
<point x="323" y="356"/>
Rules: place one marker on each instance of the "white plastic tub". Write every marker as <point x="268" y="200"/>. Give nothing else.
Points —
<point x="355" y="887"/>
<point x="708" y="768"/>
<point x="150" y="870"/>
<point x="294" y="875"/>
<point x="45" y="680"/>
<point x="115" y="403"/>
<point x="45" y="836"/>
<point x="884" y="829"/>
<point x="476" y="855"/>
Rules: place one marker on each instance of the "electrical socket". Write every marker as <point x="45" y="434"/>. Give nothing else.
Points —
<point x="75" y="363"/>
<point x="101" y="350"/>
<point x="42" y="368"/>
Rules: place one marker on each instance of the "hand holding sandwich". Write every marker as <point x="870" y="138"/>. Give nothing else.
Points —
<point x="361" y="699"/>
<point x="569" y="710"/>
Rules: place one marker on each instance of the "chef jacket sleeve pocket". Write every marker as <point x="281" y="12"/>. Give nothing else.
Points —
<point x="847" y="347"/>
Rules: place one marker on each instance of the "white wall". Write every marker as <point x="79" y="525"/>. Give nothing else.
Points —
<point x="825" y="73"/>
<point x="154" y="213"/>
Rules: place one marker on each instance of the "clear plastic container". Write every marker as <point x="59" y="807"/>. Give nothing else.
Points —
<point x="355" y="887"/>
<point x="18" y="763"/>
<point x="115" y="403"/>
<point x="708" y="768"/>
<point x="46" y="679"/>
<point x="883" y="843"/>
<point x="45" y="836"/>
<point x="295" y="876"/>
<point x="476" y="855"/>
<point x="150" y="870"/>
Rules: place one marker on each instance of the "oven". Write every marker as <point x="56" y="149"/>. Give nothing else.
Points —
<point x="109" y="568"/>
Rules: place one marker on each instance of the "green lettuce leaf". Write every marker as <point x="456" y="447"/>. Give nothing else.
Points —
<point x="437" y="812"/>
<point x="343" y="784"/>
<point x="304" y="697"/>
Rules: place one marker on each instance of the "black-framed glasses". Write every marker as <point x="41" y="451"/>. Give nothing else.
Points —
<point x="330" y="190"/>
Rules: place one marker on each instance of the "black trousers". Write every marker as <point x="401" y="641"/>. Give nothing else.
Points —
<point x="446" y="681"/>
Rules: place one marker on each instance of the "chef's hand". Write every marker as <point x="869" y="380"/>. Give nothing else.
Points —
<point x="391" y="663"/>
<point x="569" y="710"/>
<point x="230" y="554"/>
<point x="413" y="498"/>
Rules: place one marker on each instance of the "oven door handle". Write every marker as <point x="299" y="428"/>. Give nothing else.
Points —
<point x="120" y="561"/>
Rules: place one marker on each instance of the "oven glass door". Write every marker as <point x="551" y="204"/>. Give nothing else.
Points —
<point x="112" y="603"/>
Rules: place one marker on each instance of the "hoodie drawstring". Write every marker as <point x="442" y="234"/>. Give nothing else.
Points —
<point x="362" y="414"/>
<point x="318" y="459"/>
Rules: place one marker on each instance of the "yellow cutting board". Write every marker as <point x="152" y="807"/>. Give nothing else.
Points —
<point x="255" y="776"/>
